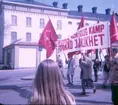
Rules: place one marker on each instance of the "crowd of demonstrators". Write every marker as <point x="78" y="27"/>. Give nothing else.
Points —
<point x="71" y="69"/>
<point x="86" y="73"/>
<point x="48" y="83"/>
<point x="49" y="87"/>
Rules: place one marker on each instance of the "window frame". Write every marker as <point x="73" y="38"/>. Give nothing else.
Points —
<point x="28" y="21"/>
<point x="13" y="36"/>
<point x="59" y="24"/>
<point x="28" y="37"/>
<point x="69" y="23"/>
<point x="14" y="20"/>
<point x="42" y="22"/>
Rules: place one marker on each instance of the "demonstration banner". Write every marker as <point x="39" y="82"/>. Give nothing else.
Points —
<point x="91" y="37"/>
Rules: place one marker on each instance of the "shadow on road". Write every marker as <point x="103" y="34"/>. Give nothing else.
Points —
<point x="23" y="92"/>
<point x="93" y="102"/>
<point x="98" y="87"/>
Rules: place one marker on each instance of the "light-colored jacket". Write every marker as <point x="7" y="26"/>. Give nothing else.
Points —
<point x="86" y="67"/>
<point x="71" y="66"/>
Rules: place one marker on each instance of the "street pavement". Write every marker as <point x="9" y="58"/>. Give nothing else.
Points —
<point x="16" y="88"/>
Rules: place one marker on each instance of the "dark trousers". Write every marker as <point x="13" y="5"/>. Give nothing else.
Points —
<point x="70" y="78"/>
<point x="87" y="81"/>
<point x="96" y="75"/>
<point x="114" y="91"/>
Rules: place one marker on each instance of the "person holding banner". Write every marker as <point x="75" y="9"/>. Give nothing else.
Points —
<point x="71" y="69"/>
<point x="114" y="76"/>
<point x="86" y="73"/>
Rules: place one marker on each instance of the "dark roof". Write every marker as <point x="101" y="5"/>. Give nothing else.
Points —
<point x="33" y="2"/>
<point x="71" y="13"/>
<point x="22" y="44"/>
<point x="90" y="15"/>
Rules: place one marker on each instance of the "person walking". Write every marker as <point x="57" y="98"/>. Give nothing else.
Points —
<point x="71" y="69"/>
<point x="86" y="73"/>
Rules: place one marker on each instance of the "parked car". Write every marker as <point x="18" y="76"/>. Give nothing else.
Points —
<point x="4" y="67"/>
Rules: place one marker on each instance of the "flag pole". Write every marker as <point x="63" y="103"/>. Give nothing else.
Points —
<point x="102" y="53"/>
<point x="110" y="40"/>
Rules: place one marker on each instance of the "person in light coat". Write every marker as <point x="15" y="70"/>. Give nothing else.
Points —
<point x="71" y="69"/>
<point x="86" y="73"/>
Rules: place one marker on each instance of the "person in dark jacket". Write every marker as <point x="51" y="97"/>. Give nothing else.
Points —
<point x="106" y="69"/>
<point x="96" y="68"/>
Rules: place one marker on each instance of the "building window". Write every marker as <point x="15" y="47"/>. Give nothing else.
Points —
<point x="59" y="13"/>
<point x="14" y="7"/>
<point x="14" y="20"/>
<point x="59" y="24"/>
<point x="42" y="23"/>
<point x="28" y="9"/>
<point x="28" y="21"/>
<point x="13" y="36"/>
<point x="86" y="24"/>
<point x="69" y="23"/>
<point x="28" y="37"/>
<point x="59" y="36"/>
<point x="78" y="23"/>
<point x="42" y="11"/>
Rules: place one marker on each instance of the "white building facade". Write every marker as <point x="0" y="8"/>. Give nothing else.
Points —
<point x="21" y="25"/>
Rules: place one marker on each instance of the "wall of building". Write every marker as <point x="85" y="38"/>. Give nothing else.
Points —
<point x="69" y="27"/>
<point x="1" y="31"/>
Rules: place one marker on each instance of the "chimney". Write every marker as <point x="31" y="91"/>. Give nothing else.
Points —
<point x="55" y="4"/>
<point x="80" y="8"/>
<point x="116" y="14"/>
<point x="65" y="5"/>
<point x="108" y="11"/>
<point x="94" y="10"/>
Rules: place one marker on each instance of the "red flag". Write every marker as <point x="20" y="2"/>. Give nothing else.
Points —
<point x="113" y="29"/>
<point x="48" y="39"/>
<point x="81" y="24"/>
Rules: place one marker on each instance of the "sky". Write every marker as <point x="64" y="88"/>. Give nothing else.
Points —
<point x="87" y="4"/>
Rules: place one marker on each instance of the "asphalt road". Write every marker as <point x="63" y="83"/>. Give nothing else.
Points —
<point x="14" y="90"/>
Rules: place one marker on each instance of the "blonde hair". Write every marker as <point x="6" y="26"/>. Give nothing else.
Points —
<point x="48" y="85"/>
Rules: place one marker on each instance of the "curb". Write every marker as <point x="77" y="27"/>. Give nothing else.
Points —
<point x="27" y="78"/>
